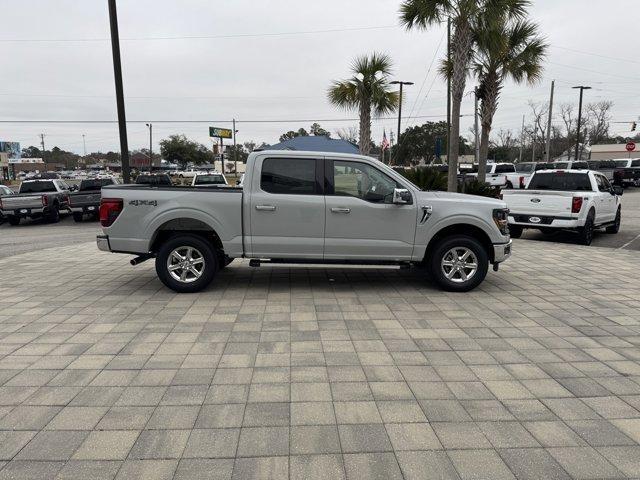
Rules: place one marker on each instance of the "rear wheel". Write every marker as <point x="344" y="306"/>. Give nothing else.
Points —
<point x="458" y="263"/>
<point x="186" y="263"/>
<point x="13" y="220"/>
<point x="515" y="231"/>
<point x="615" y="228"/>
<point x="586" y="232"/>
<point x="77" y="217"/>
<point x="54" y="215"/>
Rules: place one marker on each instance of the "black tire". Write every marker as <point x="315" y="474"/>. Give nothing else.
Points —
<point x="77" y="217"/>
<point x="204" y="249"/>
<point x="615" y="228"/>
<point x="13" y="220"/>
<point x="585" y="234"/>
<point x="515" y="231"/>
<point x="455" y="283"/>
<point x="54" y="215"/>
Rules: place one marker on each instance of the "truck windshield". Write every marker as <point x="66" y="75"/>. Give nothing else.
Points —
<point x="155" y="180"/>
<point x="580" y="166"/>
<point x="621" y="163"/>
<point x="37" y="187"/>
<point x="635" y="163"/>
<point x="210" y="180"/>
<point x="561" y="181"/>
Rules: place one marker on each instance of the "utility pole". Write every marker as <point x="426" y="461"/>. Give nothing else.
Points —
<point x="401" y="83"/>
<point x="533" y="142"/>
<point x="42" y="143"/>
<point x="582" y="88"/>
<point x="150" y="125"/>
<point x="117" y="73"/>
<point x="521" y="140"/>
<point x="477" y="132"/>
<point x="548" y="148"/>
<point x="448" y="87"/>
<point x="235" y="150"/>
<point x="222" y="154"/>
<point x="84" y="145"/>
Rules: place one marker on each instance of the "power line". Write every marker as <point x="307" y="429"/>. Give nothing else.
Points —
<point x="325" y="120"/>
<point x="196" y="37"/>
<point x="625" y="60"/>
<point x="593" y="71"/>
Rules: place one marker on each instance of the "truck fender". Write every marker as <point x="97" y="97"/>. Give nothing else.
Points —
<point x="212" y="224"/>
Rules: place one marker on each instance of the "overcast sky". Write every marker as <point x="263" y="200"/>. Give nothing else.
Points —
<point x="57" y="65"/>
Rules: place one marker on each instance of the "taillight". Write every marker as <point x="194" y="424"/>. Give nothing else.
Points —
<point x="521" y="182"/>
<point x="45" y="200"/>
<point x="0" y="204"/>
<point x="110" y="208"/>
<point x="576" y="204"/>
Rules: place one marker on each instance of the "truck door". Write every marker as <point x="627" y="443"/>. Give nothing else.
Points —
<point x="606" y="202"/>
<point x="362" y="221"/>
<point x="287" y="208"/>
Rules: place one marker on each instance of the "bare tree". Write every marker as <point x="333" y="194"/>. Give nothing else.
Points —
<point x="350" y="134"/>
<point x="597" y="121"/>
<point x="505" y="139"/>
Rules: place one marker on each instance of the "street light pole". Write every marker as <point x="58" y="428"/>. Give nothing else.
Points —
<point x="150" y="125"/>
<point x="398" y="82"/>
<point x="117" y="73"/>
<point x="582" y="88"/>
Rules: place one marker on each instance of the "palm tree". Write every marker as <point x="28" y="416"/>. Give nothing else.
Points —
<point x="464" y="15"/>
<point x="505" y="50"/>
<point x="368" y="89"/>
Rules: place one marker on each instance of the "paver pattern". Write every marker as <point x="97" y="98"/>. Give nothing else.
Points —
<point x="320" y="373"/>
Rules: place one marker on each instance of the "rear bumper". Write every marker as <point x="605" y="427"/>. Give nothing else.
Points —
<point x="502" y="251"/>
<point x="103" y="243"/>
<point x="544" y="221"/>
<point x="25" y="212"/>
<point x="85" y="209"/>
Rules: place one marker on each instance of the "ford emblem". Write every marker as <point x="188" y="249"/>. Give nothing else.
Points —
<point x="535" y="200"/>
<point x="535" y="219"/>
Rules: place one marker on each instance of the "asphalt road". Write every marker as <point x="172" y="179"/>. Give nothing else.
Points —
<point x="37" y="235"/>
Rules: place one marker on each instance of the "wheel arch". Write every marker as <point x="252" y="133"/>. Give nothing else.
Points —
<point x="465" y="229"/>
<point x="185" y="225"/>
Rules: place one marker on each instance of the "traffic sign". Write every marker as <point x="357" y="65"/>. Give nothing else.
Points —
<point x="220" y="132"/>
<point x="631" y="146"/>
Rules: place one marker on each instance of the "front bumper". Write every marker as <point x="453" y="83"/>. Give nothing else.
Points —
<point x="103" y="243"/>
<point x="501" y="251"/>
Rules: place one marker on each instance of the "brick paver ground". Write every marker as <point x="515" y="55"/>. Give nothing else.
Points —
<point x="327" y="373"/>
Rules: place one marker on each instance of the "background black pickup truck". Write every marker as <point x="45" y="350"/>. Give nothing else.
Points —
<point x="86" y="201"/>
<point x="627" y="172"/>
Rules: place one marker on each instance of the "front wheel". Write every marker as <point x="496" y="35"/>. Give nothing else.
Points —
<point x="515" y="231"/>
<point x="459" y="263"/>
<point x="615" y="228"/>
<point x="186" y="263"/>
<point x="13" y="220"/>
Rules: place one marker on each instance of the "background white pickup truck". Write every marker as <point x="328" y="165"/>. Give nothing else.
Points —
<point x="306" y="207"/>
<point x="496" y="174"/>
<point x="579" y="200"/>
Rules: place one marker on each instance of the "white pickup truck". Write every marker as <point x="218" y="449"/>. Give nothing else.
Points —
<point x="306" y="207"/>
<point x="496" y="174"/>
<point x="579" y="200"/>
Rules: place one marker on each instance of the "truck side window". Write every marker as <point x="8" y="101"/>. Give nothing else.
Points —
<point x="289" y="176"/>
<point x="355" y="179"/>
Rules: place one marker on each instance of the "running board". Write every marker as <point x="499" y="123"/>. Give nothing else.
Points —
<point x="254" y="262"/>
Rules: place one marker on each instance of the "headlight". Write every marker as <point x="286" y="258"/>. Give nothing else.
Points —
<point x="501" y="219"/>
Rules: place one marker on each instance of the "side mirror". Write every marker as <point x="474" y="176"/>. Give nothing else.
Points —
<point x="617" y="190"/>
<point x="401" y="196"/>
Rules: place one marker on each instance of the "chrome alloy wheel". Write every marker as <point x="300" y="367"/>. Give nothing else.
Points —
<point x="459" y="264"/>
<point x="185" y="264"/>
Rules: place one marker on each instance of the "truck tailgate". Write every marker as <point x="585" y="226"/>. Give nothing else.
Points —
<point x="538" y="202"/>
<point x="82" y="199"/>
<point x="16" y="202"/>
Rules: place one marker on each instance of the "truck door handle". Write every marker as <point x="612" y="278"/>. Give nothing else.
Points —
<point x="341" y="210"/>
<point x="265" y="208"/>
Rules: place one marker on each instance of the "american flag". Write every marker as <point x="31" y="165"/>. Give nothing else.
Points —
<point x="385" y="142"/>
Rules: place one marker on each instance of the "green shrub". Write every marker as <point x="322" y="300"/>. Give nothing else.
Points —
<point x="426" y="178"/>
<point x="474" y="187"/>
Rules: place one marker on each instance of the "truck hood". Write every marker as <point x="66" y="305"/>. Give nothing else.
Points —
<point x="464" y="198"/>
